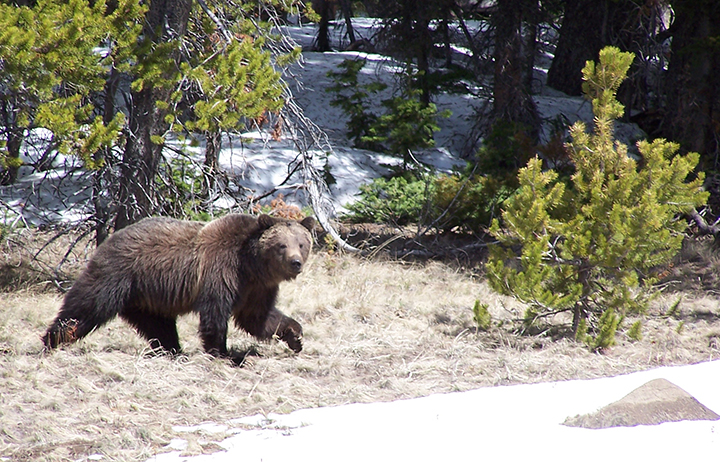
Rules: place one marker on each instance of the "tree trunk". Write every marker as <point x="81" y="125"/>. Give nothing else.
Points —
<point x="326" y="11"/>
<point x="416" y="40"/>
<point x="346" y="6"/>
<point x="13" y="143"/>
<point x="101" y="178"/>
<point x="512" y="100"/>
<point x="165" y="21"/>
<point x="445" y="30"/>
<point x="213" y="144"/>
<point x="531" y="17"/>
<point x="14" y="140"/>
<point x="423" y="59"/>
<point x="693" y="88"/>
<point x="587" y="27"/>
<point x="582" y="35"/>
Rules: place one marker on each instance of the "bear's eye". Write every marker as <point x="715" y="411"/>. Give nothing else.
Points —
<point x="302" y="245"/>
<point x="283" y="246"/>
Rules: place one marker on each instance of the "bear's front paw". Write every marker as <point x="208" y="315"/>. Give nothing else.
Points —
<point x="292" y="335"/>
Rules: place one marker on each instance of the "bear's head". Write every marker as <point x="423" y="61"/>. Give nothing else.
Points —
<point x="285" y="245"/>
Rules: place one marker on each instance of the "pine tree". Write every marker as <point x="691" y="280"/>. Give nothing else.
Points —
<point x="354" y="98"/>
<point x="228" y="82"/>
<point x="589" y="247"/>
<point x="58" y="60"/>
<point x="50" y="68"/>
<point x="407" y="125"/>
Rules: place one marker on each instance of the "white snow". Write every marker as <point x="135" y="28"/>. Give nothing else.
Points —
<point x="521" y="422"/>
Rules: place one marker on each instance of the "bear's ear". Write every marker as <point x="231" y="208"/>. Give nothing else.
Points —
<point x="309" y="223"/>
<point x="266" y="221"/>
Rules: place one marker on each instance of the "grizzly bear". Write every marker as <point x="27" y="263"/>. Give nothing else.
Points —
<point x="157" y="269"/>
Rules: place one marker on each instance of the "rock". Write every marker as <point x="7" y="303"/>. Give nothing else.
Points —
<point x="656" y="402"/>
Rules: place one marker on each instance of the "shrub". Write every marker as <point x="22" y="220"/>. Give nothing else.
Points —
<point x="466" y="201"/>
<point x="505" y="149"/>
<point x="469" y="200"/>
<point x="406" y="125"/>
<point x="278" y="208"/>
<point x="481" y="315"/>
<point x="400" y="200"/>
<point x="589" y="248"/>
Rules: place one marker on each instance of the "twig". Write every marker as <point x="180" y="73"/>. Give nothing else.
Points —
<point x="228" y="36"/>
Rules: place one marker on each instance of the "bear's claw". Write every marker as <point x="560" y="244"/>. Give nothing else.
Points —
<point x="293" y="340"/>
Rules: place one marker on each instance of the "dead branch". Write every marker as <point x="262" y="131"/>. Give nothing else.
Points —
<point x="308" y="138"/>
<point x="703" y="225"/>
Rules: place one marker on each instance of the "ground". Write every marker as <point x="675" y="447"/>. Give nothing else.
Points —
<point x="375" y="330"/>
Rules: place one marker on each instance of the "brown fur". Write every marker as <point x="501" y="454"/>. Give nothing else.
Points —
<point x="159" y="268"/>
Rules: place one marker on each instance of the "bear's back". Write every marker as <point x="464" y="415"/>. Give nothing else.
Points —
<point x="231" y="231"/>
<point x="159" y="255"/>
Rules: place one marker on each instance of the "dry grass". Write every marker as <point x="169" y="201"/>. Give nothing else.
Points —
<point x="374" y="331"/>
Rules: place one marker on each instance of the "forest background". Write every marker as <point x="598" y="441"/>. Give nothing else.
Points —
<point x="110" y="82"/>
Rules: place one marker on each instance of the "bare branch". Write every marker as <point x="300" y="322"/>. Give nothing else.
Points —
<point x="703" y="225"/>
<point x="228" y="36"/>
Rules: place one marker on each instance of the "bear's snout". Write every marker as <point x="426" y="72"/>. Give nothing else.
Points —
<point x="296" y="265"/>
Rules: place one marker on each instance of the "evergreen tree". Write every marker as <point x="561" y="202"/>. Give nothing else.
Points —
<point x="632" y="25"/>
<point x="225" y="85"/>
<point x="410" y="30"/>
<point x="587" y="247"/>
<point x="407" y="125"/>
<point x="159" y="54"/>
<point x="232" y="82"/>
<point x="326" y="10"/>
<point x="50" y="68"/>
<point x="354" y="98"/>
<point x="58" y="60"/>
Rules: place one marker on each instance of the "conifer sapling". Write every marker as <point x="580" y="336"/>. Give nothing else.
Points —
<point x="589" y="247"/>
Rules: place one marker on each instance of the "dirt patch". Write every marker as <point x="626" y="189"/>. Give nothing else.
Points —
<point x="416" y="244"/>
<point x="656" y="402"/>
<point x="696" y="268"/>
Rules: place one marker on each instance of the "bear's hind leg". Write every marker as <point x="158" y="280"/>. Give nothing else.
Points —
<point x="69" y="329"/>
<point x="160" y="331"/>
<point x="79" y="315"/>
